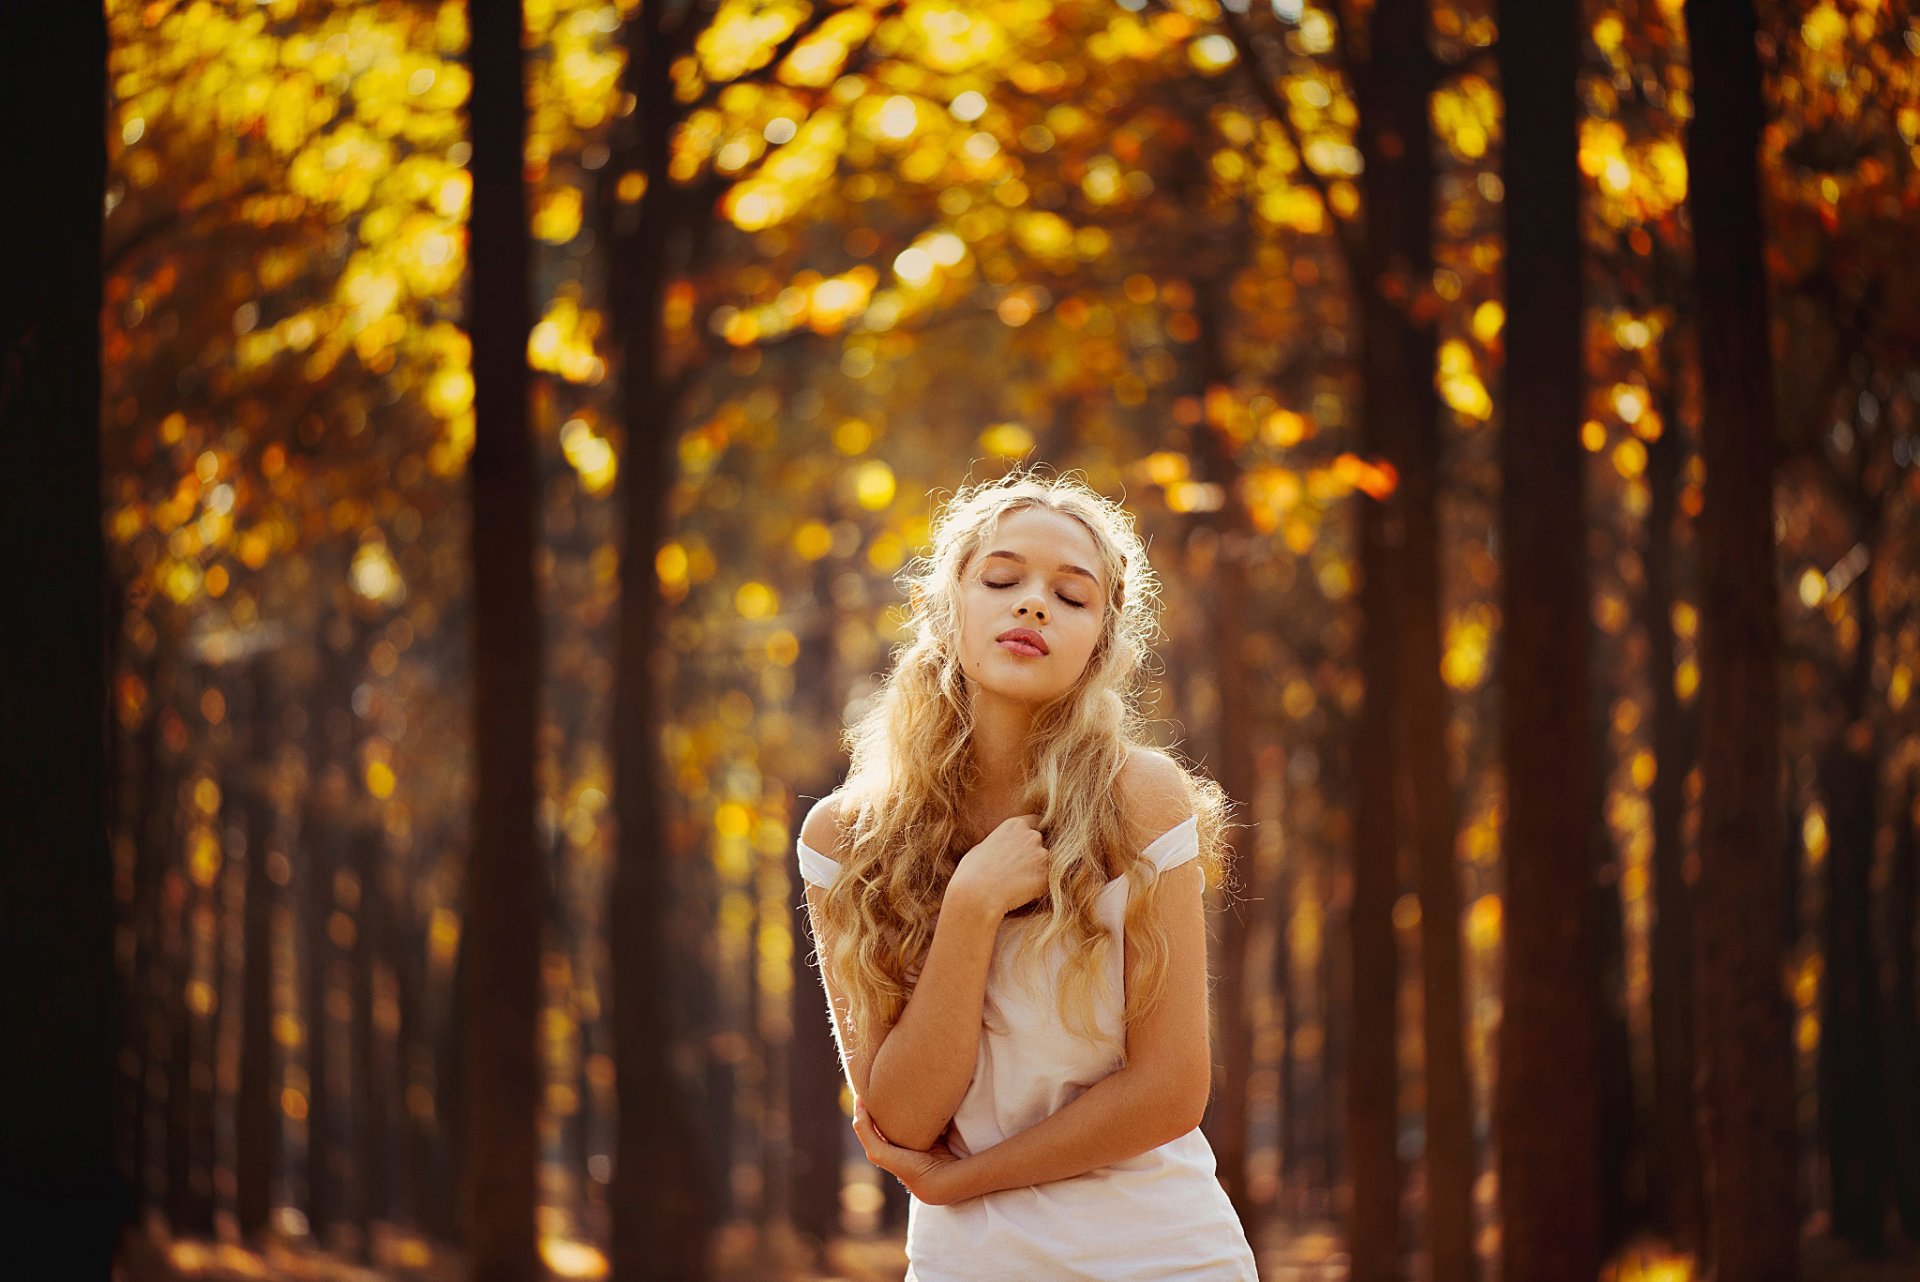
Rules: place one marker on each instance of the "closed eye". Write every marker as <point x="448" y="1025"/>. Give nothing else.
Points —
<point x="1078" y="605"/>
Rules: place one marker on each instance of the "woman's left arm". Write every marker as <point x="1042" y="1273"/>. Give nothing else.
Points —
<point x="1158" y="1096"/>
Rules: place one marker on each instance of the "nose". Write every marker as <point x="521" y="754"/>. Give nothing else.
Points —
<point x="1038" y="612"/>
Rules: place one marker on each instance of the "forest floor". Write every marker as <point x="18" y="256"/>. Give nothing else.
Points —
<point x="1287" y="1253"/>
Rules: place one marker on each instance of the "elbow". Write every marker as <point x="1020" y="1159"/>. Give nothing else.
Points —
<point x="923" y="1139"/>
<point x="901" y="1127"/>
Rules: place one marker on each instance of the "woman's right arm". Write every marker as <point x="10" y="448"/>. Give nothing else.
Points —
<point x="913" y="1074"/>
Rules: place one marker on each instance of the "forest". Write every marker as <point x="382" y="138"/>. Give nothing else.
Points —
<point x="457" y="461"/>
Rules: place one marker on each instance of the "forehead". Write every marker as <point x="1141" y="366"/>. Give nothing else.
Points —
<point x="1050" y="540"/>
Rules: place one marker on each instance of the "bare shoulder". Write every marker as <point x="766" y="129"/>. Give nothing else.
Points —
<point x="1153" y="793"/>
<point x="821" y="828"/>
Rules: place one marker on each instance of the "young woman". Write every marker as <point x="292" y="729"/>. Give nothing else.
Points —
<point x="1007" y="899"/>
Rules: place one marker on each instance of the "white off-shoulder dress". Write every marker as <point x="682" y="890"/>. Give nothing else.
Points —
<point x="1152" y="1218"/>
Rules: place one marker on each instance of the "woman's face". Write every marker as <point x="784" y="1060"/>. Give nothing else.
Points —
<point x="1037" y="570"/>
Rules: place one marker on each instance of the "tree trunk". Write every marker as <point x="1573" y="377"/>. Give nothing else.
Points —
<point x="1853" y="1103"/>
<point x="661" y="1213"/>
<point x="815" y="1122"/>
<point x="1407" y="736"/>
<point x="1746" y="1092"/>
<point x="1674" y="1186"/>
<point x="504" y="882"/>
<point x="1546" y="1100"/>
<point x="1902" y="1028"/>
<point x="371" y="1197"/>
<point x="144" y="816"/>
<point x="319" y="850"/>
<point x="257" y="1107"/>
<point x="1231" y="538"/>
<point x="1284" y="982"/>
<point x="413" y="1054"/>
<point x="1621" y="1147"/>
<point x="1852" y="1094"/>
<point x="189" y="1165"/>
<point x="1371" y="1061"/>
<point x="59" y="998"/>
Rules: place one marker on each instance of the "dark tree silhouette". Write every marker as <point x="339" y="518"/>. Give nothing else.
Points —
<point x="1546" y="1100"/>
<point x="660" y="1208"/>
<point x="256" y="1108"/>
<point x="818" y="1129"/>
<point x="1674" y="1173"/>
<point x="505" y="886"/>
<point x="57" y="1168"/>
<point x="1746" y="1097"/>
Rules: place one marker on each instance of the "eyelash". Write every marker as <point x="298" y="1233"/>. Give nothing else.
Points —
<point x="1078" y="605"/>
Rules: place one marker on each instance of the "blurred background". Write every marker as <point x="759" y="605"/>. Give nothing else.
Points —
<point x="789" y="271"/>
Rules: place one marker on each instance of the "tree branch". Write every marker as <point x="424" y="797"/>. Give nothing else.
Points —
<point x="1254" y="66"/>
<point x="815" y="19"/>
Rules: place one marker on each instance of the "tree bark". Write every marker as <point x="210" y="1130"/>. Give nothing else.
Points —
<point x="189" y="1129"/>
<point x="257" y="1106"/>
<point x="59" y="998"/>
<point x="817" y="1127"/>
<point x="371" y="1189"/>
<point x="1408" y="765"/>
<point x="662" y="1215"/>
<point x="1854" y="1103"/>
<point x="1674" y="1169"/>
<point x="1852" y="1093"/>
<point x="1546" y="1113"/>
<point x="1902" y="1018"/>
<point x="320" y="856"/>
<point x="505" y="886"/>
<point x="1231" y="539"/>
<point x="1746" y="1091"/>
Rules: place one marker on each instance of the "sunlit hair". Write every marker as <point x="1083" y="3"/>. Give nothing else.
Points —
<point x="911" y="766"/>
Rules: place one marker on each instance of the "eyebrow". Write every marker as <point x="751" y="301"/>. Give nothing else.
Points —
<point x="1064" y="569"/>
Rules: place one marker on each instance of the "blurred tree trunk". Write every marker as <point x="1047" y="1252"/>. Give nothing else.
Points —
<point x="1225" y="538"/>
<point x="60" y="998"/>
<point x="1546" y="1100"/>
<point x="504" y="889"/>
<point x="1902" y="1018"/>
<point x="140" y="815"/>
<point x="1673" y="1172"/>
<point x="320" y="855"/>
<point x="449" y="1156"/>
<point x="1371" y="1064"/>
<point x="413" y="1065"/>
<point x="1746" y="1093"/>
<point x="1853" y="1100"/>
<point x="1284" y="980"/>
<point x="1392" y="84"/>
<point x="659" y="1201"/>
<point x="1335" y="982"/>
<point x="257" y="1104"/>
<point x="817" y="1126"/>
<point x="371" y="1189"/>
<point x="1620" y="1142"/>
<point x="1852" y="1094"/>
<point x="190" y="1066"/>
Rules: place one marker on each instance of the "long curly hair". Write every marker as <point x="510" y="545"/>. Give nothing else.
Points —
<point x="900" y="811"/>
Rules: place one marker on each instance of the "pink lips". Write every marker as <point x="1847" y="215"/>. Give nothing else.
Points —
<point x="1023" y="641"/>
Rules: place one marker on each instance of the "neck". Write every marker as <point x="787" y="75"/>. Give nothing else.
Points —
<point x="1000" y="731"/>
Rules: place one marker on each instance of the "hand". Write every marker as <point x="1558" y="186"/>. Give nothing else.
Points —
<point x="1008" y="869"/>
<point x="933" y="1176"/>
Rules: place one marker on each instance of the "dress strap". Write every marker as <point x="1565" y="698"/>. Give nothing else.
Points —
<point x="816" y="867"/>
<point x="1176" y="845"/>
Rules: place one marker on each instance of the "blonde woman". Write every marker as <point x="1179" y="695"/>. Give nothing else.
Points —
<point x="1007" y="900"/>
